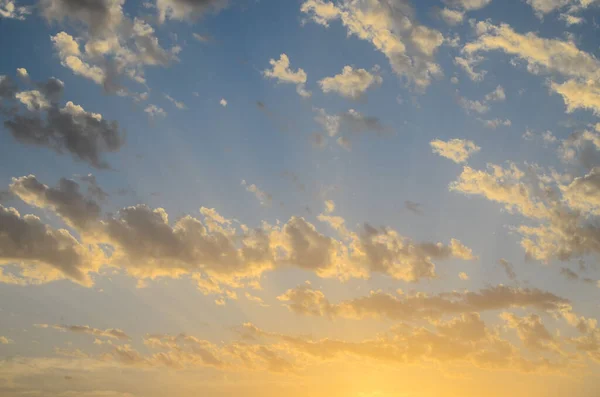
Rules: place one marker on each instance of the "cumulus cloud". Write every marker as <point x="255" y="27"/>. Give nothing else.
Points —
<point x="450" y="16"/>
<point x="85" y="135"/>
<point x="10" y="10"/>
<point x="542" y="7"/>
<point x="223" y="102"/>
<point x="351" y="83"/>
<point x="46" y="254"/>
<point x="457" y="150"/>
<point x="282" y="72"/>
<point x="113" y="44"/>
<point x="391" y="27"/>
<point x="65" y="200"/>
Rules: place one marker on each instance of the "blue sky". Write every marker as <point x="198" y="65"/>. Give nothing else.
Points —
<point x="446" y="213"/>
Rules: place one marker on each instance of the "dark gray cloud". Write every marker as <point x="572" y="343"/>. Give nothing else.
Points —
<point x="65" y="200"/>
<point x="27" y="239"/>
<point x="86" y="136"/>
<point x="508" y="269"/>
<point x="93" y="188"/>
<point x="413" y="207"/>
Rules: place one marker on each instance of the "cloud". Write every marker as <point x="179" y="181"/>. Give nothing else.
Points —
<point x="8" y="88"/>
<point x="413" y="207"/>
<point x="391" y="27"/>
<point x="467" y="64"/>
<point x="223" y="102"/>
<point x="307" y="301"/>
<point x="212" y="250"/>
<point x="10" y="10"/>
<point x="473" y="105"/>
<point x="263" y="197"/>
<point x="113" y="44"/>
<point x="283" y="74"/>
<point x="86" y="329"/>
<point x="155" y="111"/>
<point x="46" y="254"/>
<point x="179" y="105"/>
<point x="468" y="5"/>
<point x="497" y="95"/>
<point x="542" y="7"/>
<point x="550" y="56"/>
<point x="65" y="200"/>
<point x="351" y="83"/>
<point x="457" y="150"/>
<point x="5" y="341"/>
<point x="33" y="100"/>
<point x="451" y="17"/>
<point x="463" y="276"/>
<point x="188" y="9"/>
<point x="508" y="269"/>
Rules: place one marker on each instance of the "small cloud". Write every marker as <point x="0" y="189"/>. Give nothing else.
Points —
<point x="413" y="207"/>
<point x="457" y="150"/>
<point x="223" y="102"/>
<point x="179" y="105"/>
<point x="201" y="38"/>
<point x="155" y="111"/>
<point x="463" y="276"/>
<point x="5" y="341"/>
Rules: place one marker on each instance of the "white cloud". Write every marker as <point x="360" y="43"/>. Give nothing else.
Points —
<point x="351" y="83"/>
<point x="155" y="111"/>
<point x="264" y="198"/>
<point x="498" y="95"/>
<point x="457" y="150"/>
<point x="468" y="5"/>
<point x="223" y="102"/>
<point x="463" y="276"/>
<point x="451" y="17"/>
<point x="391" y="28"/>
<point x="33" y="100"/>
<point x="282" y="72"/>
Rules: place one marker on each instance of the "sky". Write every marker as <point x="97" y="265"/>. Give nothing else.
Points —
<point x="341" y="198"/>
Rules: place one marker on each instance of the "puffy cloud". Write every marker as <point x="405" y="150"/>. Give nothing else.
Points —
<point x="10" y="10"/>
<point x="473" y="105"/>
<point x="223" y="102"/>
<point x="114" y="44"/>
<point x="391" y="27"/>
<point x="86" y="329"/>
<point x="495" y="123"/>
<point x="457" y="150"/>
<point x="85" y="135"/>
<point x="46" y="254"/>
<point x="463" y="276"/>
<point x="579" y="95"/>
<point x="283" y="74"/>
<point x="155" y="111"/>
<point x="307" y="301"/>
<point x="33" y="100"/>
<point x="451" y="17"/>
<point x="188" y="9"/>
<point x="351" y="83"/>
<point x="65" y="200"/>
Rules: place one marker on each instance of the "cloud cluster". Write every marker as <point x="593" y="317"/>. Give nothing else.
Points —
<point x="579" y="70"/>
<point x="391" y="27"/>
<point x="210" y="249"/>
<point x="114" y="44"/>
